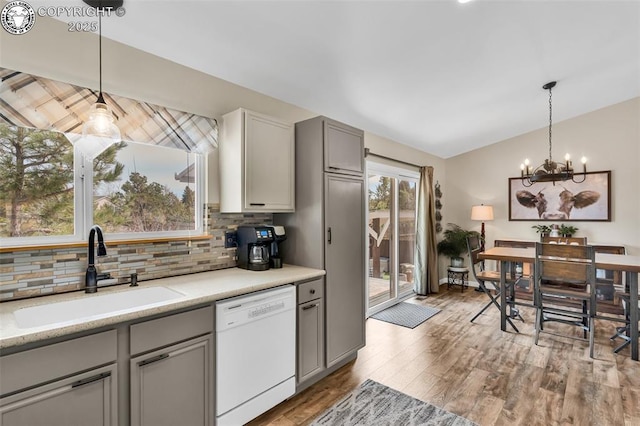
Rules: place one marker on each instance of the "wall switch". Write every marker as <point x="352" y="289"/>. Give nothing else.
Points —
<point x="230" y="239"/>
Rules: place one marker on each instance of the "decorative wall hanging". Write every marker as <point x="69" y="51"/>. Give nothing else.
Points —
<point x="565" y="201"/>
<point x="438" y="205"/>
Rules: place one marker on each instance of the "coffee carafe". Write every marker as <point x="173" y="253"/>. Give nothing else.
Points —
<point x="254" y="245"/>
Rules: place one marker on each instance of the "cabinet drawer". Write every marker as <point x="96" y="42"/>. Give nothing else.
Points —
<point x="310" y="290"/>
<point x="35" y="366"/>
<point x="164" y="331"/>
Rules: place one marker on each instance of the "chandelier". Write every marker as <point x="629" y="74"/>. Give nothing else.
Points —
<point x="551" y="171"/>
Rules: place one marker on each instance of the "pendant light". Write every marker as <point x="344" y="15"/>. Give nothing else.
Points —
<point x="550" y="171"/>
<point x="100" y="131"/>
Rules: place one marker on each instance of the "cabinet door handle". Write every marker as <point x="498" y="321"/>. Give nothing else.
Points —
<point x="306" y="308"/>
<point x="329" y="235"/>
<point x="152" y="360"/>
<point x="91" y="379"/>
<point x="257" y="204"/>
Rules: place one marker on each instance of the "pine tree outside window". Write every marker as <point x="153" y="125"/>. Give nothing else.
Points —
<point x="49" y="194"/>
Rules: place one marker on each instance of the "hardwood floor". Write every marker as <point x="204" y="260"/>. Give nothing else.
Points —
<point x="483" y="374"/>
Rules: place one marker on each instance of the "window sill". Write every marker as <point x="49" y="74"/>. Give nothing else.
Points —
<point x="9" y="249"/>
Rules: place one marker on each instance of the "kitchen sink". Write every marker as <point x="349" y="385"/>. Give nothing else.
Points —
<point x="94" y="307"/>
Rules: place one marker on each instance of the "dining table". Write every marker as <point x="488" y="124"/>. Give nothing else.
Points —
<point x="629" y="264"/>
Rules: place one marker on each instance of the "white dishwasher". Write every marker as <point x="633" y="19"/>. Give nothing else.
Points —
<point x="255" y="354"/>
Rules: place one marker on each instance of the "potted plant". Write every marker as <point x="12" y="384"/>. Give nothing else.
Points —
<point x="543" y="230"/>
<point x="454" y="243"/>
<point x="567" y="231"/>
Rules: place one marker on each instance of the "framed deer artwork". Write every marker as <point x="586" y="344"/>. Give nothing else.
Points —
<point x="588" y="200"/>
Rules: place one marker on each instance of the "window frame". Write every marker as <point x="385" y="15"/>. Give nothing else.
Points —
<point x="396" y="173"/>
<point x="83" y="207"/>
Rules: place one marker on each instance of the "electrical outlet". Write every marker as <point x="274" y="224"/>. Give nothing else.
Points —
<point x="230" y="239"/>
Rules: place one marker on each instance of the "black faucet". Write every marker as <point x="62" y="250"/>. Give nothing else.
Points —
<point x="92" y="277"/>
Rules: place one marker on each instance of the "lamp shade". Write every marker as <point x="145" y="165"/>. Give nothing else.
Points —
<point x="100" y="131"/>
<point x="482" y="212"/>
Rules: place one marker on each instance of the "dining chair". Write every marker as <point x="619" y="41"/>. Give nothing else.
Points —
<point x="484" y="277"/>
<point x="612" y="296"/>
<point x="564" y="288"/>
<point x="565" y="240"/>
<point x="624" y="332"/>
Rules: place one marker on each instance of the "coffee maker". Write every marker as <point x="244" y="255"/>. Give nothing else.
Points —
<point x="279" y="235"/>
<point x="254" y="246"/>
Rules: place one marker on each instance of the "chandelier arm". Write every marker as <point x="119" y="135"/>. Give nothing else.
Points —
<point x="584" y="176"/>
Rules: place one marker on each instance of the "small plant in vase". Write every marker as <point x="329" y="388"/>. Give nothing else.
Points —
<point x="543" y="230"/>
<point x="454" y="244"/>
<point x="567" y="231"/>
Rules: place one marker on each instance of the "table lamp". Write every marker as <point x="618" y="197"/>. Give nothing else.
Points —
<point x="482" y="213"/>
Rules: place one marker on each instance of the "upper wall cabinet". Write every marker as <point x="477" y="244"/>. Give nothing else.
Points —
<point x="257" y="163"/>
<point x="343" y="148"/>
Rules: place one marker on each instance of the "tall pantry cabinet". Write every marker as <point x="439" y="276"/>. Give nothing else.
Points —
<point x="327" y="231"/>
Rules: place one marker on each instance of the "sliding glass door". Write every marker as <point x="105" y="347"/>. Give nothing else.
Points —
<point x="391" y="234"/>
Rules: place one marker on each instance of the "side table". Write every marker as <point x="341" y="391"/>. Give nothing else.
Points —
<point x="457" y="276"/>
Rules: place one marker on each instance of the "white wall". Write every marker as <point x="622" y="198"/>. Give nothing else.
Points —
<point x="388" y="148"/>
<point x="49" y="50"/>
<point x="609" y="138"/>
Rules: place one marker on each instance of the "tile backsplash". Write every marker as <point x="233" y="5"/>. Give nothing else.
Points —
<point x="33" y="273"/>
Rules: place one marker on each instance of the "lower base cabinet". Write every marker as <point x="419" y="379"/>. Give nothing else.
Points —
<point x="172" y="386"/>
<point x="310" y="347"/>
<point x="171" y="370"/>
<point x="73" y="382"/>
<point x="86" y="399"/>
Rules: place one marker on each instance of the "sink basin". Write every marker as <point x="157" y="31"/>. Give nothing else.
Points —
<point x="94" y="307"/>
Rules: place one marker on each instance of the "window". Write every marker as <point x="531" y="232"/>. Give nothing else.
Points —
<point x="146" y="189"/>
<point x="50" y="194"/>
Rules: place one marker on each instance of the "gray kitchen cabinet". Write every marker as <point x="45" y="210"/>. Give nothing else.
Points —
<point x="328" y="230"/>
<point x="343" y="149"/>
<point x="64" y="383"/>
<point x="344" y="249"/>
<point x="310" y="321"/>
<point x="84" y="399"/>
<point x="173" y="384"/>
<point x="257" y="163"/>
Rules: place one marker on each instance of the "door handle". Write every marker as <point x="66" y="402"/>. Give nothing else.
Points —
<point x="257" y="204"/>
<point x="88" y="380"/>
<point x="329" y="235"/>
<point x="306" y="308"/>
<point x="152" y="360"/>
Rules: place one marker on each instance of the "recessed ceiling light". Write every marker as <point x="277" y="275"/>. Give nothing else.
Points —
<point x="464" y="1"/>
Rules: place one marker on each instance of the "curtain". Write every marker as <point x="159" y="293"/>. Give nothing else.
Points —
<point x="44" y="104"/>
<point x="426" y="258"/>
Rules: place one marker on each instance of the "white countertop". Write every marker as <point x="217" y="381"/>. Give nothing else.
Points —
<point x="200" y="288"/>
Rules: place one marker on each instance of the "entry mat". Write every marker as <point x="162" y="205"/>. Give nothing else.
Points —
<point x="374" y="404"/>
<point x="406" y="314"/>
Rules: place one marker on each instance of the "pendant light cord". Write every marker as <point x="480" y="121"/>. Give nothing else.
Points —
<point x="100" y="44"/>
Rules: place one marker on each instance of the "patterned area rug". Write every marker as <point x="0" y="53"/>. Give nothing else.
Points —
<point x="406" y="314"/>
<point x="373" y="404"/>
